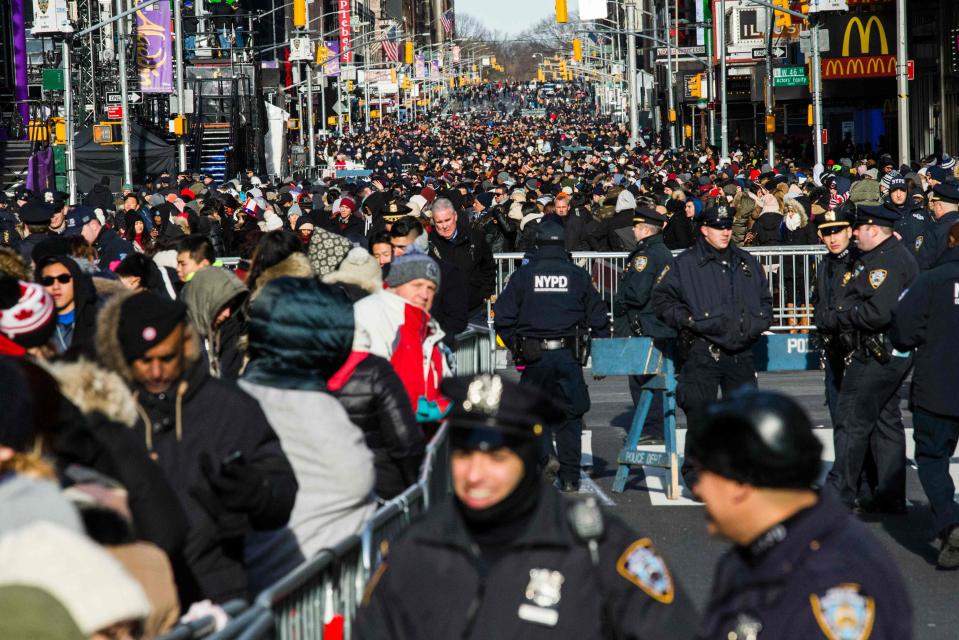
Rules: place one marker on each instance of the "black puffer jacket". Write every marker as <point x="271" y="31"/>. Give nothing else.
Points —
<point x="374" y="397"/>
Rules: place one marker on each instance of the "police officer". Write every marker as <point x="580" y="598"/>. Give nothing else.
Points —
<point x="36" y="216"/>
<point x="9" y="234"/>
<point x="944" y="207"/>
<point x="802" y="567"/>
<point x="506" y="556"/>
<point x="545" y="316"/>
<point x="834" y="228"/>
<point x="632" y="307"/>
<point x="717" y="297"/>
<point x="912" y="217"/>
<point x="868" y="405"/>
<point x="925" y="320"/>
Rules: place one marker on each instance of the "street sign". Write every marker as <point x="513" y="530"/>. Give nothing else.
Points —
<point x="805" y="42"/>
<point x="117" y="98"/>
<point x="114" y="112"/>
<point x="778" y="52"/>
<point x="339" y="107"/>
<point x="792" y="76"/>
<point x="911" y="70"/>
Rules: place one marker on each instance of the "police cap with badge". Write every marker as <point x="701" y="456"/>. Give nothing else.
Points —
<point x="833" y="220"/>
<point x="550" y="232"/>
<point x="946" y="192"/>
<point x="717" y="217"/>
<point x="77" y="218"/>
<point x="759" y="438"/>
<point x="490" y="412"/>
<point x="875" y="214"/>
<point x="645" y="215"/>
<point x="392" y="210"/>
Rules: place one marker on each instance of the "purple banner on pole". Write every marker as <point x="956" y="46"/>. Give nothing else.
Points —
<point x="420" y="67"/>
<point x="154" y="60"/>
<point x="330" y="58"/>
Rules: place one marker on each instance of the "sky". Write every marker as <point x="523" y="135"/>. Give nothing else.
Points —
<point x="509" y="16"/>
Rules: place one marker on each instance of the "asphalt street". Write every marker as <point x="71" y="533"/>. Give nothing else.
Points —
<point x="678" y="528"/>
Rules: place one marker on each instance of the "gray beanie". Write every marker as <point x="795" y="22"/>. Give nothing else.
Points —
<point x="410" y="266"/>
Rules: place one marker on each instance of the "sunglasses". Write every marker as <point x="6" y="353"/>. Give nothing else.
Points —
<point x="63" y="278"/>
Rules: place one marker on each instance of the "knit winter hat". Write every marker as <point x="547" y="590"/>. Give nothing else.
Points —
<point x="625" y="201"/>
<point x="93" y="587"/>
<point x="146" y="319"/>
<point x="327" y="250"/>
<point x="410" y="266"/>
<point x="29" y="612"/>
<point x="26" y="312"/>
<point x="359" y="268"/>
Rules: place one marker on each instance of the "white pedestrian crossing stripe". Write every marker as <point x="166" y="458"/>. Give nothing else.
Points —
<point x="657" y="479"/>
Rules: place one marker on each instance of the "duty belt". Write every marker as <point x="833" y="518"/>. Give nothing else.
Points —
<point x="554" y="344"/>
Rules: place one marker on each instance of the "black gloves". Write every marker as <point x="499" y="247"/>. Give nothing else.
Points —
<point x="238" y="485"/>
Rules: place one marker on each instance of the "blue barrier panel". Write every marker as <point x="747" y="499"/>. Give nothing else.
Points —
<point x="643" y="356"/>
<point x="353" y="173"/>
<point x="785" y="352"/>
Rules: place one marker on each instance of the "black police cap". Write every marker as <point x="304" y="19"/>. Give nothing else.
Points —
<point x="720" y="217"/>
<point x="875" y="214"/>
<point x="645" y="215"/>
<point x="833" y="219"/>
<point x="488" y="411"/>
<point x="759" y="438"/>
<point x="36" y="212"/>
<point x="946" y="192"/>
<point x="393" y="210"/>
<point x="550" y="232"/>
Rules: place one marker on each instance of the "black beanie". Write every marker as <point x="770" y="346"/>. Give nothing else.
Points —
<point x="146" y="319"/>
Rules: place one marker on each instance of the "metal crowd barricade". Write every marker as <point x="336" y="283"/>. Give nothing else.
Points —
<point x="475" y="351"/>
<point x="319" y="599"/>
<point x="791" y="271"/>
<point x="202" y="627"/>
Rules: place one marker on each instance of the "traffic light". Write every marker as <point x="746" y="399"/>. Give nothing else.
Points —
<point x="771" y="124"/>
<point x="409" y="53"/>
<point x="562" y="15"/>
<point x="577" y="50"/>
<point x="809" y="116"/>
<point x="689" y="10"/>
<point x="540" y="76"/>
<point x="781" y="20"/>
<point x="299" y="13"/>
<point x="696" y="86"/>
<point x="393" y="76"/>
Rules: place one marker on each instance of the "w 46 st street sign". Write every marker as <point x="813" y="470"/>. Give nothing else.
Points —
<point x="792" y="76"/>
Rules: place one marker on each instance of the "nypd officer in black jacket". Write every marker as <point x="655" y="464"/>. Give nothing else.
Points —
<point x="633" y="313"/>
<point x="912" y="217"/>
<point x="834" y="228"/>
<point x="802" y="567"/>
<point x="926" y="319"/>
<point x="868" y="406"/>
<point x="944" y="207"/>
<point x="545" y="316"/>
<point x="717" y="297"/>
<point x="506" y="556"/>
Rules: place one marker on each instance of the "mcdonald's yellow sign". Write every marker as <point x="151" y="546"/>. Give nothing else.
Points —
<point x="864" y="33"/>
<point x="866" y="64"/>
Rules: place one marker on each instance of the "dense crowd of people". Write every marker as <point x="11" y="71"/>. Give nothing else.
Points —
<point x="181" y="427"/>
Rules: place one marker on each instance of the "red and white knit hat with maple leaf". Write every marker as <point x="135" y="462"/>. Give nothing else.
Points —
<point x="25" y="308"/>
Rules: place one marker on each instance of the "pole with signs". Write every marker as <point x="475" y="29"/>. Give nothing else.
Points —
<point x="724" y="116"/>
<point x="816" y="90"/>
<point x="68" y="121"/>
<point x="122" y="31"/>
<point x="902" y="81"/>
<point x="180" y="93"/>
<point x="669" y="84"/>
<point x="770" y="109"/>
<point x="631" y="70"/>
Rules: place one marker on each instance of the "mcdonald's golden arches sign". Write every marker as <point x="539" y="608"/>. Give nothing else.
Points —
<point x="865" y="40"/>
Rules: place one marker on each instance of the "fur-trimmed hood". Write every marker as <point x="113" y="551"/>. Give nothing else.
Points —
<point x="109" y="352"/>
<point x="296" y="265"/>
<point x="94" y="389"/>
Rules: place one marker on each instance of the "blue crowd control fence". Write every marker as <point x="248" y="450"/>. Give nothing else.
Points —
<point x="202" y="627"/>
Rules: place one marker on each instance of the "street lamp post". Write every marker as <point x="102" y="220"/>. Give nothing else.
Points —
<point x="631" y="70"/>
<point x="724" y="115"/>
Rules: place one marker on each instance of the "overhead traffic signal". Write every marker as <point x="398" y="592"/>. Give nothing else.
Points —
<point x="577" y="50"/>
<point x="409" y="53"/>
<point x="299" y="13"/>
<point x="696" y="86"/>
<point x="562" y="15"/>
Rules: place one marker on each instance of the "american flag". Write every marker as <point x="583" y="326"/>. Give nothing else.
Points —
<point x="391" y="47"/>
<point x="447" y="20"/>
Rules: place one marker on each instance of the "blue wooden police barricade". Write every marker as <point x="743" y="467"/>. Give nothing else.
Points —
<point x="642" y="356"/>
